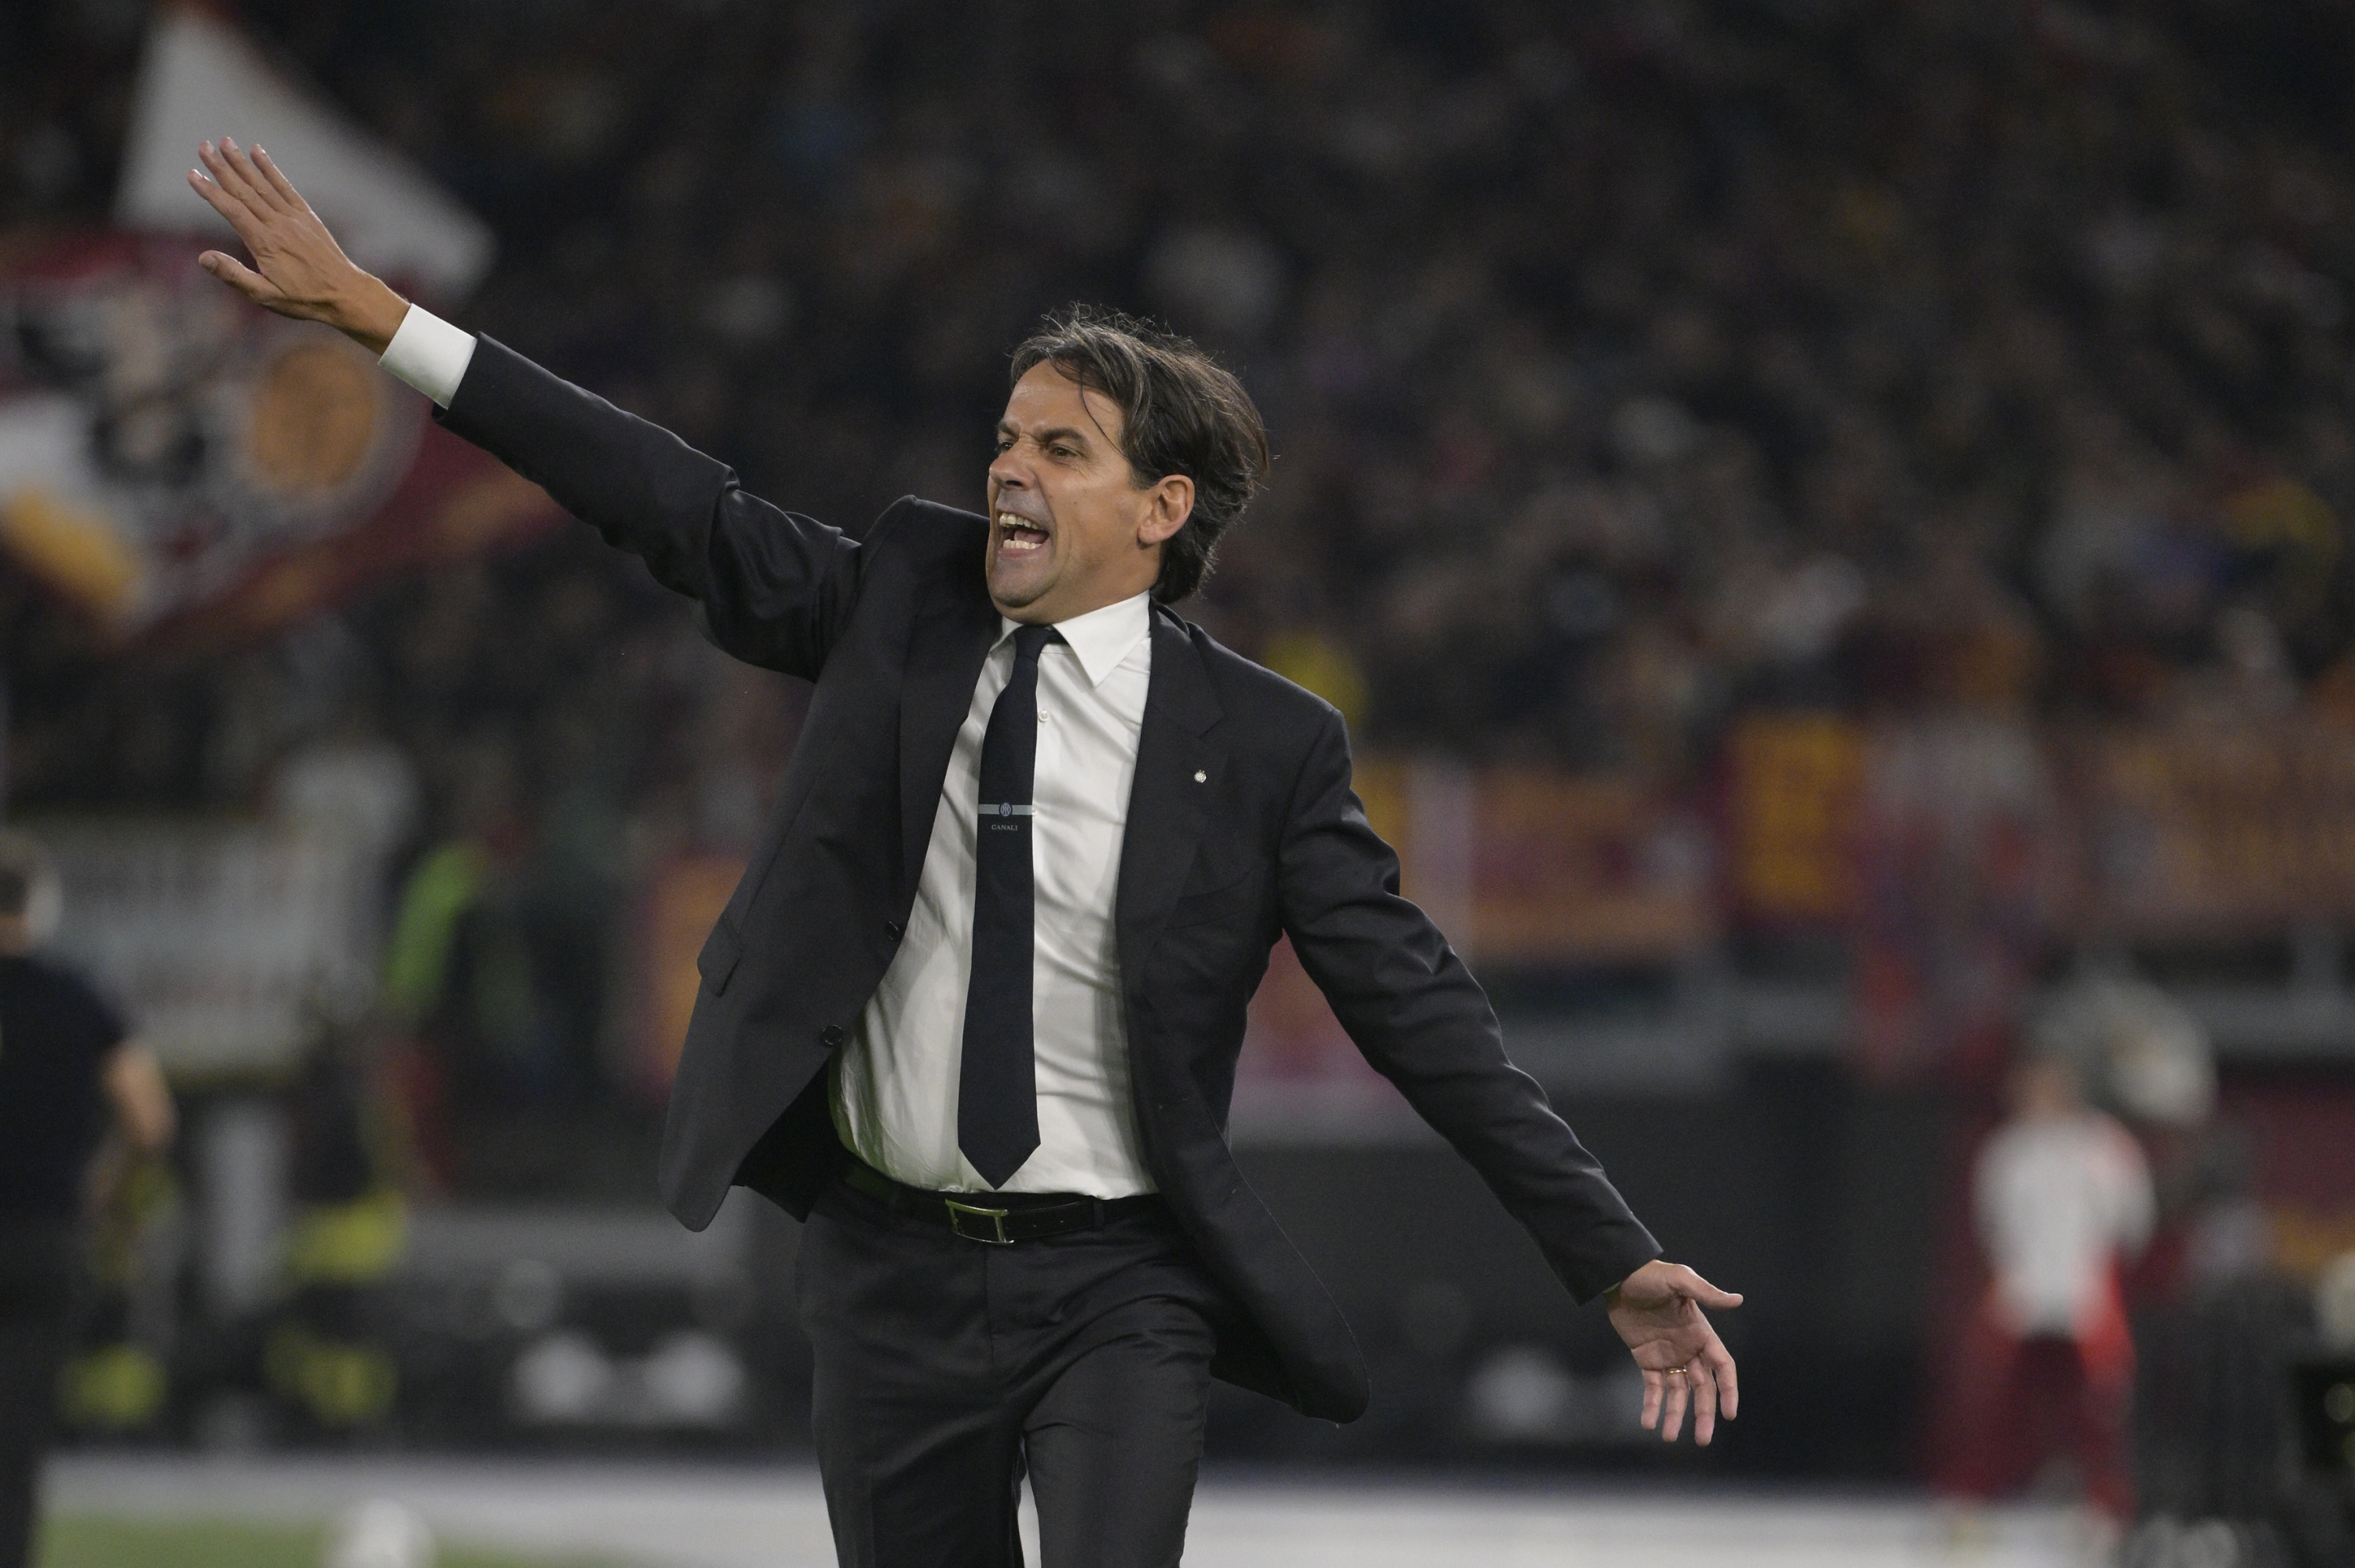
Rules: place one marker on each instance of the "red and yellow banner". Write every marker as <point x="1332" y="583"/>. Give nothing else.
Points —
<point x="181" y="467"/>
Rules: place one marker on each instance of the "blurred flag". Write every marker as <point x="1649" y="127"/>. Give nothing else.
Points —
<point x="177" y="465"/>
<point x="201" y="81"/>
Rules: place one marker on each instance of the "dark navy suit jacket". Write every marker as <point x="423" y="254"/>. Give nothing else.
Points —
<point x="1241" y="825"/>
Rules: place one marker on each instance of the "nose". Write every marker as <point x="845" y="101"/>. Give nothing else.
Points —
<point x="1009" y="472"/>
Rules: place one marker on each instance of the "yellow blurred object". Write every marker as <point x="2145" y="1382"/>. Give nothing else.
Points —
<point x="2334" y="1321"/>
<point x="1308" y="658"/>
<point x="115" y="1388"/>
<point x="315" y="416"/>
<point x="1795" y="782"/>
<point x="137" y="1194"/>
<point x="348" y="1244"/>
<point x="2308" y="1240"/>
<point x="685" y="899"/>
<point x="2291" y="521"/>
<point x="77" y="552"/>
<point x="1566" y="869"/>
<point x="1382" y="785"/>
<point x="336" y="1383"/>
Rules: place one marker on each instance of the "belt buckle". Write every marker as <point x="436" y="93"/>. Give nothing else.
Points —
<point x="994" y="1235"/>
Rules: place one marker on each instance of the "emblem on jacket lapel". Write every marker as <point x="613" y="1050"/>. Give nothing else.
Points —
<point x="1200" y="777"/>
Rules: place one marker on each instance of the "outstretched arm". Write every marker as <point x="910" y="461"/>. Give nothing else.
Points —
<point x="776" y="587"/>
<point x="1422" y="1021"/>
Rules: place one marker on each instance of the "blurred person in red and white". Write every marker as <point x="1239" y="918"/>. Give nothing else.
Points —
<point x="2062" y="1200"/>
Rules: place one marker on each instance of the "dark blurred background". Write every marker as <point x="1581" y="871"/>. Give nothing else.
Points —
<point x="1829" y="521"/>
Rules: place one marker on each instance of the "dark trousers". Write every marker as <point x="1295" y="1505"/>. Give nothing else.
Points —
<point x="945" y="1366"/>
<point x="36" y="1294"/>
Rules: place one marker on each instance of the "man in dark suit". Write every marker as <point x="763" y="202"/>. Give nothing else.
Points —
<point x="974" y="1010"/>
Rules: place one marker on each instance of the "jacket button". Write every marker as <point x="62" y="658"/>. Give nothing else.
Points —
<point x="891" y="929"/>
<point x="831" y="1035"/>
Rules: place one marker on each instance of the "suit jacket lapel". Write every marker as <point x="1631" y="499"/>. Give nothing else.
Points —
<point x="945" y="650"/>
<point x="1179" y="763"/>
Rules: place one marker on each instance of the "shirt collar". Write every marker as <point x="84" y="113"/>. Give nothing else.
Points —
<point x="1102" y="639"/>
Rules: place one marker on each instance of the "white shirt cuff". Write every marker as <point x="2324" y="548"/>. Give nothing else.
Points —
<point x="430" y="354"/>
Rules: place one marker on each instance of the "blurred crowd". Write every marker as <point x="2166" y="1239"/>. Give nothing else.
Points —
<point x="1627" y="365"/>
<point x="1631" y="367"/>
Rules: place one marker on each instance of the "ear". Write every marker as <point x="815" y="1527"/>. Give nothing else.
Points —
<point x="1167" y="506"/>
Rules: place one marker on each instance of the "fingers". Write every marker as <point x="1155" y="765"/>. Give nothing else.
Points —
<point x="1661" y="1281"/>
<point x="248" y="161"/>
<point x="1704" y="1402"/>
<point x="1720" y="1369"/>
<point x="1703" y="1386"/>
<point x="220" y="200"/>
<point x="241" y="277"/>
<point x="224" y="200"/>
<point x="1693" y="1287"/>
<point x="231" y="182"/>
<point x="1672" y="1419"/>
<point x="279" y="182"/>
<point x="256" y="186"/>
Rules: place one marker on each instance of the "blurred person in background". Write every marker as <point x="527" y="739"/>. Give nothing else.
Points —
<point x="66" y="1067"/>
<point x="461" y="983"/>
<point x="2063" y="1197"/>
<point x="1026" y="1247"/>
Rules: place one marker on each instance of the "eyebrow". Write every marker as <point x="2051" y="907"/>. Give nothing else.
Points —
<point x="1061" y="433"/>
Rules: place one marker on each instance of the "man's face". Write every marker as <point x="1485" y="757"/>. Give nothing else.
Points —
<point x="1069" y="530"/>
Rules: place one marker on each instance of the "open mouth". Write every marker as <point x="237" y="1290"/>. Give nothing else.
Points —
<point x="1018" y="535"/>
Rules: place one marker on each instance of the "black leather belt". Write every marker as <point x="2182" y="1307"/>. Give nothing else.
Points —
<point x="997" y="1219"/>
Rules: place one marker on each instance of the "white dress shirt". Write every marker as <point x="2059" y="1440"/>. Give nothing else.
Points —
<point x="430" y="354"/>
<point x="896" y="1102"/>
<point x="896" y="1078"/>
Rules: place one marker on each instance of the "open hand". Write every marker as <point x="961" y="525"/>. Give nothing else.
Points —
<point x="298" y="268"/>
<point x="1657" y="1311"/>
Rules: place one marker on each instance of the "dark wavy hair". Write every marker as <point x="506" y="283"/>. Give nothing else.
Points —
<point x="1180" y="411"/>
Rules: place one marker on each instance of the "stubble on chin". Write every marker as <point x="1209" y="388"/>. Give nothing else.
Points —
<point x="1011" y="590"/>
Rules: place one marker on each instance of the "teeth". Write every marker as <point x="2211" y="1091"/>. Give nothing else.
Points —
<point x="1018" y="535"/>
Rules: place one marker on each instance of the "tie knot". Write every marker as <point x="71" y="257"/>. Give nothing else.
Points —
<point x="1029" y="641"/>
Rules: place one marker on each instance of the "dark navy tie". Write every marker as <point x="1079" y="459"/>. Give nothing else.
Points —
<point x="997" y="1091"/>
